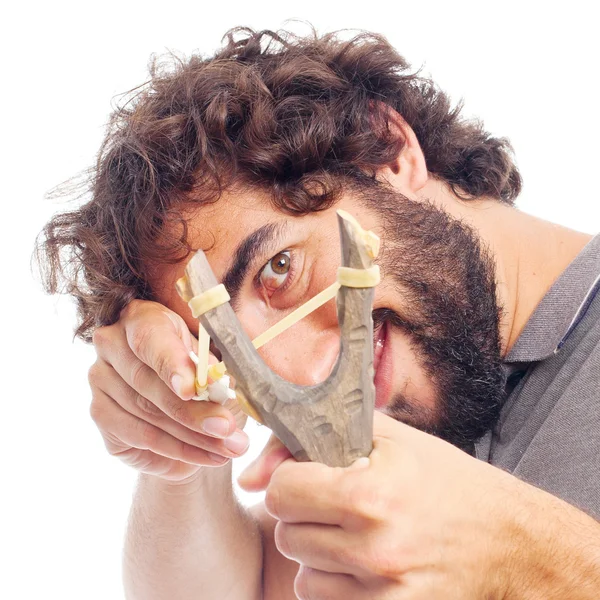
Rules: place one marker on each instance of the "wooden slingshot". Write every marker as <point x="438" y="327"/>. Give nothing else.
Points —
<point x="331" y="422"/>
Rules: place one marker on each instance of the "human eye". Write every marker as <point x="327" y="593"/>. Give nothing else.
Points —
<point x="276" y="274"/>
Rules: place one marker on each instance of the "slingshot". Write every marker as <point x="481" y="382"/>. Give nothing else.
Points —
<point x="331" y="422"/>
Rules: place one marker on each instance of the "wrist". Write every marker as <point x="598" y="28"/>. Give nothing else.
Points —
<point x="204" y="480"/>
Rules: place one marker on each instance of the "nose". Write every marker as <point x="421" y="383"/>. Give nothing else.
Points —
<point x="306" y="353"/>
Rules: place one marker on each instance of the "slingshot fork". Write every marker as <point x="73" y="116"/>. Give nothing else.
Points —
<point x="331" y="422"/>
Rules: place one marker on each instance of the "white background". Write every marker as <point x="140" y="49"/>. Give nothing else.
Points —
<point x="529" y="69"/>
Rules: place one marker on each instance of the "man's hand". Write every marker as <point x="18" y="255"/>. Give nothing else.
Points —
<point x="422" y="520"/>
<point x="141" y="384"/>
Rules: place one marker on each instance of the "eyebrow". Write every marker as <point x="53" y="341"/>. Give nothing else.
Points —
<point x="252" y="247"/>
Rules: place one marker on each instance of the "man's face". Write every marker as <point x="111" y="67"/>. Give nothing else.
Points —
<point x="437" y="358"/>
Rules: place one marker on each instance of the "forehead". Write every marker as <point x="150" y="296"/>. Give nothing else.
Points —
<point x="220" y="227"/>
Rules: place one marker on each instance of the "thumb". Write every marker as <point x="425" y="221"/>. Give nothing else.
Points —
<point x="256" y="476"/>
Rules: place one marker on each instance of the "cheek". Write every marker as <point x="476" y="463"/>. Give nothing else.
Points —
<point x="253" y="318"/>
<point x="410" y="378"/>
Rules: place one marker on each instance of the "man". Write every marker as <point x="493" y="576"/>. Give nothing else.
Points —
<point x="484" y="481"/>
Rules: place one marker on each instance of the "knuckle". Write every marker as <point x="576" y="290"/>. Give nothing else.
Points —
<point x="361" y="503"/>
<point x="179" y="412"/>
<point x="190" y="455"/>
<point x="94" y="375"/>
<point x="131" y="309"/>
<point x="100" y="337"/>
<point x="303" y="584"/>
<point x="282" y="539"/>
<point x="351" y="557"/>
<point x="133" y="457"/>
<point x="378" y="557"/>
<point x="97" y="412"/>
<point x="137" y="309"/>
<point x="139" y="338"/>
<point x="143" y="344"/>
<point x="146" y="406"/>
<point x="137" y="374"/>
<point x="176" y="319"/>
<point x="163" y="367"/>
<point x="148" y="435"/>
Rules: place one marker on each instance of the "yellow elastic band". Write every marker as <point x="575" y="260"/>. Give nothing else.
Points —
<point x="247" y="407"/>
<point x="372" y="243"/>
<point x="295" y="316"/>
<point x="182" y="286"/>
<point x="359" y="278"/>
<point x="215" y="372"/>
<point x="208" y="300"/>
<point x="203" y="352"/>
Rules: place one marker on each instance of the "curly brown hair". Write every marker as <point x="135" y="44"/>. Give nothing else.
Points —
<point x="293" y="115"/>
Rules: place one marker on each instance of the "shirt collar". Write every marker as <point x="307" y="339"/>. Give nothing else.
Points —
<point x="561" y="309"/>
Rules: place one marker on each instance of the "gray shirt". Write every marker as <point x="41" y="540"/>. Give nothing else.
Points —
<point x="549" y="428"/>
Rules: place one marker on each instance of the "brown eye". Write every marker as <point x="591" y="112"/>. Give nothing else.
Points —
<point x="275" y="272"/>
<point x="280" y="264"/>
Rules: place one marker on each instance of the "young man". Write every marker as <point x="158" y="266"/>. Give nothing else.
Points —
<point x="484" y="481"/>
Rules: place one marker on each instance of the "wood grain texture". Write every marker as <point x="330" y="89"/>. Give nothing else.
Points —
<point x="331" y="422"/>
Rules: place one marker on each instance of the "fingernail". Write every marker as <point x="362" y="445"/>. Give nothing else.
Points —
<point x="177" y="385"/>
<point x="216" y="426"/>
<point x="238" y="442"/>
<point x="176" y="382"/>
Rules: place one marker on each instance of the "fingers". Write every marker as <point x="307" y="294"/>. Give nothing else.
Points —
<point x="122" y="431"/>
<point x="312" y="584"/>
<point x="139" y="390"/>
<point x="316" y="493"/>
<point x="138" y="382"/>
<point x="143" y="348"/>
<point x="157" y="337"/>
<point x="149" y="463"/>
<point x="219" y="433"/>
<point x="323" y="547"/>
<point x="256" y="476"/>
<point x="306" y="493"/>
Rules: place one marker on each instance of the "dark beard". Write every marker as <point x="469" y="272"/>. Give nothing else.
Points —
<point x="448" y="280"/>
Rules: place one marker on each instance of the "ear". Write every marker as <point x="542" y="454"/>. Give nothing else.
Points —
<point x="408" y="171"/>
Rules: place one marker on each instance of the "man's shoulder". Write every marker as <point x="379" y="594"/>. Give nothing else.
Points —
<point x="550" y="436"/>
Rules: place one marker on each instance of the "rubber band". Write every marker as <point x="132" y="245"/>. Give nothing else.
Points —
<point x="208" y="300"/>
<point x="372" y="243"/>
<point x="247" y="408"/>
<point x="302" y="311"/>
<point x="215" y="372"/>
<point x="359" y="278"/>
<point x="203" y="352"/>
<point x="182" y="285"/>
